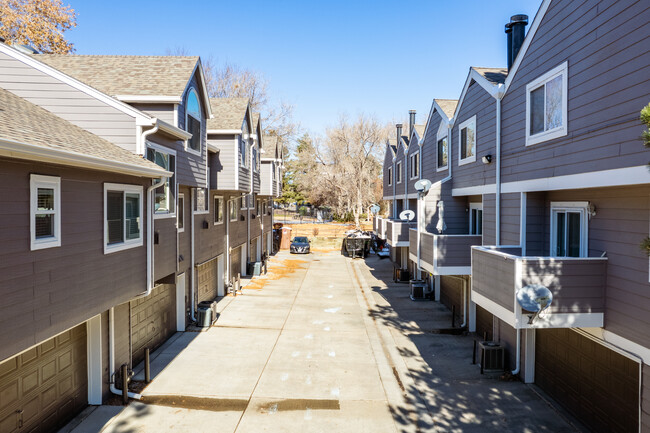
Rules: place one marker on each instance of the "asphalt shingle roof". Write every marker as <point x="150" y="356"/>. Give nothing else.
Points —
<point x="419" y="129"/>
<point x="448" y="106"/>
<point x="27" y="123"/>
<point x="229" y="113"/>
<point x="493" y="75"/>
<point x="127" y="75"/>
<point x="270" y="145"/>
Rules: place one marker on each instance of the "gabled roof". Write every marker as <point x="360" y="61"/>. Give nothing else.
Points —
<point x="445" y="107"/>
<point x="29" y="131"/>
<point x="492" y="85"/>
<point x="270" y="146"/>
<point x="229" y="113"/>
<point x="391" y="146"/>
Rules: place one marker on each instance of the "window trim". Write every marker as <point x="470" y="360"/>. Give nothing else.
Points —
<point x="561" y="131"/>
<point x="570" y="206"/>
<point x="127" y="244"/>
<point x="415" y="167"/>
<point x="390" y="176"/>
<point x="207" y="202"/>
<point x="478" y="206"/>
<point x="168" y="151"/>
<point x="180" y="211"/>
<point x="398" y="172"/>
<point x="187" y="142"/>
<point x="467" y="160"/>
<point x="214" y="205"/>
<point x="442" y="134"/>
<point x="51" y="182"/>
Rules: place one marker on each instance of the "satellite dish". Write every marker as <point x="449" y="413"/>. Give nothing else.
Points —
<point x="407" y="215"/>
<point x="374" y="209"/>
<point x="422" y="185"/>
<point x="534" y="298"/>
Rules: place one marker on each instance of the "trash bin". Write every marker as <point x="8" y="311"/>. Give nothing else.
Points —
<point x="212" y="305"/>
<point x="254" y="268"/>
<point x="204" y="317"/>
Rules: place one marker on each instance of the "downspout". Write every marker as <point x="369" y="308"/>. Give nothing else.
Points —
<point x="192" y="275"/>
<point x="111" y="357"/>
<point x="498" y="95"/>
<point x="517" y="354"/>
<point x="394" y="191"/>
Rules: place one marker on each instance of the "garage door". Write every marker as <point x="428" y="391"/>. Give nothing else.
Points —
<point x="153" y="320"/>
<point x="599" y="386"/>
<point x="43" y="388"/>
<point x="235" y="262"/>
<point x="206" y="275"/>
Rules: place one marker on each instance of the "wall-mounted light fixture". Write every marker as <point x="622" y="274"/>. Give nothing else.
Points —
<point x="591" y="210"/>
<point x="487" y="159"/>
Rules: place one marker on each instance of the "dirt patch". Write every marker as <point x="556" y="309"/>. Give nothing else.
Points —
<point x="277" y="271"/>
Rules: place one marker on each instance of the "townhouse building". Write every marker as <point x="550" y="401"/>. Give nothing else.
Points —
<point x="541" y="180"/>
<point x="76" y="241"/>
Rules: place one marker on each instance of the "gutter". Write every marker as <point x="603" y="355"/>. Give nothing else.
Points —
<point x="32" y="152"/>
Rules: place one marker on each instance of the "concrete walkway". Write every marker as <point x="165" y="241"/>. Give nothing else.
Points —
<point x="330" y="347"/>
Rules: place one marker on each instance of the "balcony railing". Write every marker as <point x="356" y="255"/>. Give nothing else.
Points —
<point x="444" y="254"/>
<point x="397" y="232"/>
<point x="577" y="284"/>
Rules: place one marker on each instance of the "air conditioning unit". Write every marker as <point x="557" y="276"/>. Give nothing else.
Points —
<point x="492" y="356"/>
<point x="418" y="290"/>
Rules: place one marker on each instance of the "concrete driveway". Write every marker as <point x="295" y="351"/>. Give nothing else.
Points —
<point x="321" y="349"/>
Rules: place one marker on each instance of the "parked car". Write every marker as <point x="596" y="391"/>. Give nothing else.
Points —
<point x="299" y="245"/>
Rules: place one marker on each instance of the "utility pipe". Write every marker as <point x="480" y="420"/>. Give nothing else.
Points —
<point x="111" y="356"/>
<point x="499" y="95"/>
<point x="517" y="354"/>
<point x="192" y="272"/>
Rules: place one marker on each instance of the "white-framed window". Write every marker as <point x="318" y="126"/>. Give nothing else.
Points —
<point x="256" y="168"/>
<point x="569" y="229"/>
<point x="180" y="214"/>
<point x="442" y="149"/>
<point x="476" y="218"/>
<point x="467" y="141"/>
<point x="390" y="176"/>
<point x="193" y="121"/>
<point x="398" y="171"/>
<point x="45" y="211"/>
<point x="201" y="203"/>
<point x="218" y="209"/>
<point x="232" y="209"/>
<point x="414" y="160"/>
<point x="123" y="210"/>
<point x="546" y="106"/>
<point x="164" y="200"/>
<point x="243" y="202"/>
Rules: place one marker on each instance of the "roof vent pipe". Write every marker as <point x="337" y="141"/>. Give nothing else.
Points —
<point x="411" y="122"/>
<point x="399" y="132"/>
<point x="516" y="31"/>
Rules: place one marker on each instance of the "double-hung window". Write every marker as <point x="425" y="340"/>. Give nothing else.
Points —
<point x="398" y="169"/>
<point x="218" y="209"/>
<point x="45" y="211"/>
<point x="193" y="121"/>
<point x="442" y="147"/>
<point x="476" y="218"/>
<point x="122" y="216"/>
<point x="390" y="176"/>
<point x="255" y="160"/>
<point x="164" y="200"/>
<point x="415" y="165"/>
<point x="180" y="214"/>
<point x="232" y="209"/>
<point x="467" y="141"/>
<point x="546" y="106"/>
<point x="569" y="229"/>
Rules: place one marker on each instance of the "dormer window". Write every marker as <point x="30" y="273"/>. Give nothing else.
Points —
<point x="467" y="135"/>
<point x="193" y="120"/>
<point x="243" y="146"/>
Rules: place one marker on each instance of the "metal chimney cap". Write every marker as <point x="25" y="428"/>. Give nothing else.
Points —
<point x="519" y="19"/>
<point x="399" y="125"/>
<point x="412" y="111"/>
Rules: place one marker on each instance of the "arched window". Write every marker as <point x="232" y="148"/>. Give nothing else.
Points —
<point x="193" y="119"/>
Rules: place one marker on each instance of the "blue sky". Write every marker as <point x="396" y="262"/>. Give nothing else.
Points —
<point x="326" y="58"/>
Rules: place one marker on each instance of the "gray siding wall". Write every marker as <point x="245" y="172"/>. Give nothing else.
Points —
<point x="489" y="219"/>
<point x="185" y="242"/>
<point x="164" y="112"/>
<point x="400" y="187"/>
<point x="430" y="150"/>
<point x="238" y="230"/>
<point x="244" y="172"/>
<point x="456" y="250"/>
<point x="413" y="149"/>
<point x="493" y="276"/>
<point x="191" y="167"/>
<point x="256" y="182"/>
<point x="226" y="162"/>
<point x="68" y="103"/>
<point x="45" y="292"/>
<point x="165" y="250"/>
<point x="477" y="103"/>
<point x="609" y="83"/>
<point x="426" y="246"/>
<point x="645" y="398"/>
<point x="510" y="218"/>
<point x="620" y="223"/>
<point x="536" y="222"/>
<point x="388" y="162"/>
<point x="210" y="241"/>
